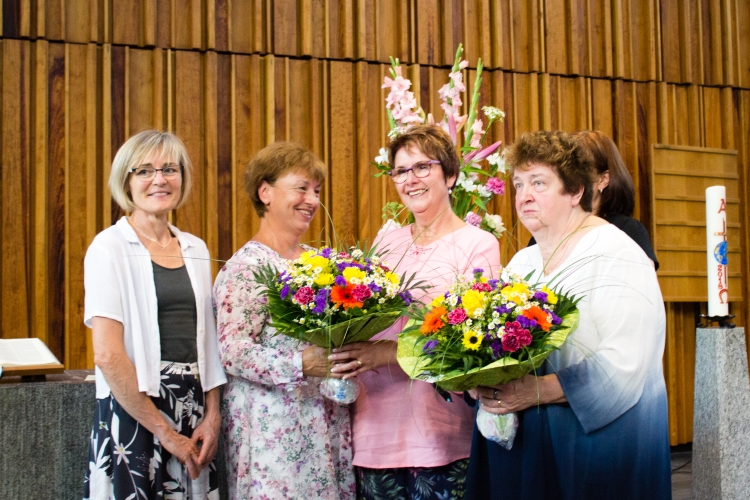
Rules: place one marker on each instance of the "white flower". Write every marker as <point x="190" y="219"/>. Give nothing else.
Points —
<point x="483" y="191"/>
<point x="494" y="224"/>
<point x="382" y="158"/>
<point x="498" y="159"/>
<point x="493" y="113"/>
<point x="357" y="253"/>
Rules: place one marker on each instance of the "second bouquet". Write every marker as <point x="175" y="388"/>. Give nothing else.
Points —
<point x="484" y="332"/>
<point x="330" y="298"/>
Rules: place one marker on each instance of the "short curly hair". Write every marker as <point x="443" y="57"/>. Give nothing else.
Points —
<point x="275" y="161"/>
<point x="571" y="161"/>
<point x="432" y="141"/>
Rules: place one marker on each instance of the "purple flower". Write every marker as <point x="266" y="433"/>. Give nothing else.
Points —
<point x="495" y="186"/>
<point x="493" y="283"/>
<point x="344" y="265"/>
<point x="326" y="252"/>
<point x="429" y="347"/>
<point x="285" y="292"/>
<point x="375" y="288"/>
<point x="526" y="322"/>
<point x="556" y="320"/>
<point x="497" y="349"/>
<point x="540" y="296"/>
<point x="479" y="271"/>
<point x="503" y="309"/>
<point x="321" y="300"/>
<point x="406" y="297"/>
<point x="473" y="219"/>
<point x="284" y="277"/>
<point x="340" y="281"/>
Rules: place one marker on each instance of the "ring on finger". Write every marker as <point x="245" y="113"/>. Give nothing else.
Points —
<point x="359" y="362"/>
<point x="494" y="394"/>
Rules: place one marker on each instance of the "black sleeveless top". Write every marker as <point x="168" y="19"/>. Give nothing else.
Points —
<point x="178" y="315"/>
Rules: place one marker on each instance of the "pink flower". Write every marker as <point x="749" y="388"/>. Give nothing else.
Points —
<point x="457" y="316"/>
<point x="477" y="132"/>
<point x="360" y="293"/>
<point x="304" y="295"/>
<point x="495" y="186"/>
<point x="473" y="219"/>
<point x="515" y="336"/>
<point x="481" y="287"/>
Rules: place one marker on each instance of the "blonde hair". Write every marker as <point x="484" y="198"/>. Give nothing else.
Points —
<point x="275" y="161"/>
<point x="135" y="151"/>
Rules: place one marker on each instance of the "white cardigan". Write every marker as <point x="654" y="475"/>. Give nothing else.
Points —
<point x="119" y="283"/>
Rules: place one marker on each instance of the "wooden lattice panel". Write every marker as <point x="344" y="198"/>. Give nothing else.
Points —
<point x="679" y="180"/>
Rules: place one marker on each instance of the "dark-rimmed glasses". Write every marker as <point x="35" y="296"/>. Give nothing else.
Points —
<point x="147" y="172"/>
<point x="420" y="169"/>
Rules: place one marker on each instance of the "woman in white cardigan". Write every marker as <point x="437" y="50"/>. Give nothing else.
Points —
<point x="148" y="303"/>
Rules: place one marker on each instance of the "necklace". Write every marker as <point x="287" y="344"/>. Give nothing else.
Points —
<point x="163" y="247"/>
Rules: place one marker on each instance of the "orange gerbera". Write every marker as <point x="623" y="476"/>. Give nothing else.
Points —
<point x="433" y="320"/>
<point x="540" y="316"/>
<point x="342" y="296"/>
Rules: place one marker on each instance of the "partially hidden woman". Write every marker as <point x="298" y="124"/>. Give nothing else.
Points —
<point x="593" y="424"/>
<point x="613" y="197"/>
<point x="410" y="442"/>
<point x="148" y="303"/>
<point x="283" y="439"/>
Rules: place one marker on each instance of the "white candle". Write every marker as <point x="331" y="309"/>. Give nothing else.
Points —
<point x="716" y="244"/>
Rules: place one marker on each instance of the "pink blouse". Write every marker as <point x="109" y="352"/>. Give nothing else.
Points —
<point x="398" y="422"/>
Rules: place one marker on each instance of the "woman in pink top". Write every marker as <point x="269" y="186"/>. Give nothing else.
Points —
<point x="408" y="440"/>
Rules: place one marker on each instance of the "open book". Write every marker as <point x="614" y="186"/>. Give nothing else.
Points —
<point x="28" y="356"/>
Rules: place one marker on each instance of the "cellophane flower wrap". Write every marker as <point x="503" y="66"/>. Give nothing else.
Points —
<point x="484" y="332"/>
<point x="330" y="298"/>
<point x="482" y="168"/>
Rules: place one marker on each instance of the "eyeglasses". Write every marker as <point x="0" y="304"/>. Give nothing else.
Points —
<point x="147" y="172"/>
<point x="419" y="169"/>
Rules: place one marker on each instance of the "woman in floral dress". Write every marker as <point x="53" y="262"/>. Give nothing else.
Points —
<point x="282" y="438"/>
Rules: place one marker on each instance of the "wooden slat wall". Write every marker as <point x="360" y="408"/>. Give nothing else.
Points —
<point x="77" y="77"/>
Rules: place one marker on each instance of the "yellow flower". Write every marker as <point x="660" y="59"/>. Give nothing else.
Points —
<point x="472" y="340"/>
<point x="437" y="301"/>
<point x="392" y="277"/>
<point x="352" y="273"/>
<point x="324" y="279"/>
<point x="518" y="293"/>
<point x="473" y="301"/>
<point x="319" y="261"/>
<point x="551" y="296"/>
<point x="306" y="256"/>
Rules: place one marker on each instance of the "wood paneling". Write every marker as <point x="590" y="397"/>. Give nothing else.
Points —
<point x="78" y="77"/>
<point x="691" y="41"/>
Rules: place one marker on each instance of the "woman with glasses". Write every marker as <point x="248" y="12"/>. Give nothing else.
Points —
<point x="148" y="303"/>
<point x="409" y="440"/>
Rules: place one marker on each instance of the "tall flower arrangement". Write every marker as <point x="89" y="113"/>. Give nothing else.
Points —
<point x="475" y="185"/>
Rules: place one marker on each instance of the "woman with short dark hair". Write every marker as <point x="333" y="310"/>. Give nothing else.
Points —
<point x="593" y="419"/>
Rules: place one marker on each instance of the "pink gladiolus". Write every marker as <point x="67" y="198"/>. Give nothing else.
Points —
<point x="477" y="132"/>
<point x="452" y="128"/>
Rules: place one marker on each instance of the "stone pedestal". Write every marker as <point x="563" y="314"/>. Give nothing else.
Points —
<point x="721" y="419"/>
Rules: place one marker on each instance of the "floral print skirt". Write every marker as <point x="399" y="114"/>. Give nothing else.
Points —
<point x="126" y="461"/>
<point x="413" y="483"/>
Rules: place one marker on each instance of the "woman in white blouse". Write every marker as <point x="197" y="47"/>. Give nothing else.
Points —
<point x="148" y="303"/>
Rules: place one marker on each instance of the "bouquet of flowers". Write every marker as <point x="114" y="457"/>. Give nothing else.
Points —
<point x="330" y="298"/>
<point x="471" y="193"/>
<point x="486" y="332"/>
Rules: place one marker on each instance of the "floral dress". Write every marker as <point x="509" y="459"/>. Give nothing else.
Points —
<point x="282" y="438"/>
